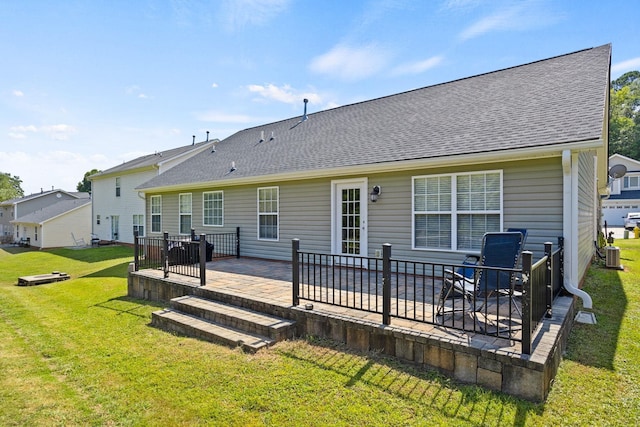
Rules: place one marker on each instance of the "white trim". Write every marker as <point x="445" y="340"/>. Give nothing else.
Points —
<point x="203" y="207"/>
<point x="454" y="212"/>
<point x="180" y="214"/>
<point x="258" y="214"/>
<point x="363" y="185"/>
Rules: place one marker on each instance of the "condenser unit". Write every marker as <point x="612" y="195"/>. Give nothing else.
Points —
<point x="612" y="257"/>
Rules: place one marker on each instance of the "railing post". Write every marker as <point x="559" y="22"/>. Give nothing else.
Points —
<point x="203" y="259"/>
<point x="237" y="242"/>
<point x="548" y="247"/>
<point x="193" y="234"/>
<point x="527" y="259"/>
<point x="386" y="283"/>
<point x="295" y="268"/>
<point x="165" y="247"/>
<point x="136" y="252"/>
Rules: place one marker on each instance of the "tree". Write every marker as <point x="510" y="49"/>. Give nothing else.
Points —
<point x="85" y="184"/>
<point x="624" y="115"/>
<point x="10" y="186"/>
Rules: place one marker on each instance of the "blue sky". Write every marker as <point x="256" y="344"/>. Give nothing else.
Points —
<point x="89" y="84"/>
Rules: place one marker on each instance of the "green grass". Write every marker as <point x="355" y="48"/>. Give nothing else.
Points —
<point x="80" y="352"/>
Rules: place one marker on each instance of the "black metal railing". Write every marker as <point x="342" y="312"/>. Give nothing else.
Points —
<point x="184" y="255"/>
<point x="415" y="291"/>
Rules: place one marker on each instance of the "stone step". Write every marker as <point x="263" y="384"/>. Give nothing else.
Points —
<point x="192" y="326"/>
<point x="239" y="318"/>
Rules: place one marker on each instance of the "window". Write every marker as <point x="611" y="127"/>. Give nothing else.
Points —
<point x="268" y="213"/>
<point x="117" y="186"/>
<point x="98" y="219"/>
<point x="212" y="208"/>
<point x="453" y="212"/>
<point x="138" y="225"/>
<point x="631" y="183"/>
<point x="35" y="233"/>
<point x="156" y="214"/>
<point x="184" y="210"/>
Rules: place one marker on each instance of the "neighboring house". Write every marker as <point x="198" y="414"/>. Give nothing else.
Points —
<point x="19" y="207"/>
<point x="64" y="223"/>
<point x="624" y="195"/>
<point x="524" y="147"/>
<point x="118" y="208"/>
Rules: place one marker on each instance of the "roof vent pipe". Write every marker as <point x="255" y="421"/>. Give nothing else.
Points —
<point x="207" y="136"/>
<point x="304" y="116"/>
<point x="194" y="140"/>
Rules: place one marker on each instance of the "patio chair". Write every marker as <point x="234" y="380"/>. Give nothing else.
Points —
<point x="499" y="250"/>
<point x="78" y="242"/>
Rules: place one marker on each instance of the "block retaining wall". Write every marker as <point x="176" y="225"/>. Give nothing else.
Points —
<point x="468" y="360"/>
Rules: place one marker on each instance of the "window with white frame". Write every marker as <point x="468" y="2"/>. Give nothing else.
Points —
<point x="156" y="214"/>
<point x="212" y="208"/>
<point x="454" y="211"/>
<point x="138" y="225"/>
<point x="631" y="183"/>
<point x="184" y="211"/>
<point x="117" y="186"/>
<point x="268" y="211"/>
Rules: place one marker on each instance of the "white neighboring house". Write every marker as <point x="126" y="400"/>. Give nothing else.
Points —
<point x="624" y="193"/>
<point x="14" y="209"/>
<point x="118" y="209"/>
<point x="65" y="223"/>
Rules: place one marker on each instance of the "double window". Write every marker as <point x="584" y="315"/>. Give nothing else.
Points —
<point x="631" y="183"/>
<point x="454" y="211"/>
<point x="212" y="208"/>
<point x="156" y="214"/>
<point x="268" y="211"/>
<point x="184" y="211"/>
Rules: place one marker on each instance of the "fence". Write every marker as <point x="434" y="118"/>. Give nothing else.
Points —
<point x="416" y="291"/>
<point x="184" y="255"/>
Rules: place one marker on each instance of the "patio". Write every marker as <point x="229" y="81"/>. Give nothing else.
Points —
<point x="266" y="286"/>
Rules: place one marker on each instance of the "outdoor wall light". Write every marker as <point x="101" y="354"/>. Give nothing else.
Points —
<point x="375" y="193"/>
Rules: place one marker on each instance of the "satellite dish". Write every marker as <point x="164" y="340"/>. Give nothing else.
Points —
<point x="617" y="171"/>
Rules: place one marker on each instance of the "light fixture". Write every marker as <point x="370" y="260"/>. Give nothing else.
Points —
<point x="375" y="193"/>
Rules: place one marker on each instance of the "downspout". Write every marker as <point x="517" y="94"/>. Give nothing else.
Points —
<point x="570" y="226"/>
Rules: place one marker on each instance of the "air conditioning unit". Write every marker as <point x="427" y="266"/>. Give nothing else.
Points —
<point x="612" y="257"/>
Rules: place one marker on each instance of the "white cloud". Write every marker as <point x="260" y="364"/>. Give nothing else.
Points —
<point x="59" y="132"/>
<point x="285" y="94"/>
<point x="350" y="63"/>
<point x="418" y="67"/>
<point x="240" y="13"/>
<point x="624" y="66"/>
<point x="214" y="85"/>
<point x="518" y="17"/>
<point x="18" y="93"/>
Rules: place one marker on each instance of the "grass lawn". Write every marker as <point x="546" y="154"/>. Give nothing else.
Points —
<point x="80" y="352"/>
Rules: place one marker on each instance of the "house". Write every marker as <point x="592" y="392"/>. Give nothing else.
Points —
<point x="118" y="208"/>
<point x="13" y="209"/>
<point x="428" y="171"/>
<point x="64" y="223"/>
<point x="624" y="194"/>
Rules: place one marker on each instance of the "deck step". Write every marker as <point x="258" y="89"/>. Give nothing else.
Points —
<point x="189" y="325"/>
<point x="238" y="318"/>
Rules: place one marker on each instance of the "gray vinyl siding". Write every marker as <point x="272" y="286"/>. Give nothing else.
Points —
<point x="532" y="193"/>
<point x="587" y="200"/>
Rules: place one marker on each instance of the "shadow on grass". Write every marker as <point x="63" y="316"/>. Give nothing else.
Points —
<point x="403" y="381"/>
<point x="128" y="305"/>
<point x="596" y="345"/>
<point x="93" y="254"/>
<point x="118" y="270"/>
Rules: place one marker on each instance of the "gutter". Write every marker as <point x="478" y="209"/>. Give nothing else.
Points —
<point x="570" y="226"/>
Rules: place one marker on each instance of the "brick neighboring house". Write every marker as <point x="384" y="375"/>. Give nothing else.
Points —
<point x="118" y="209"/>
<point x="14" y="209"/>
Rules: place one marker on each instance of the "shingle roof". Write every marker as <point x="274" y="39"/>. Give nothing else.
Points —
<point x="52" y="211"/>
<point x="152" y="159"/>
<point x="553" y="101"/>
<point x="78" y="194"/>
